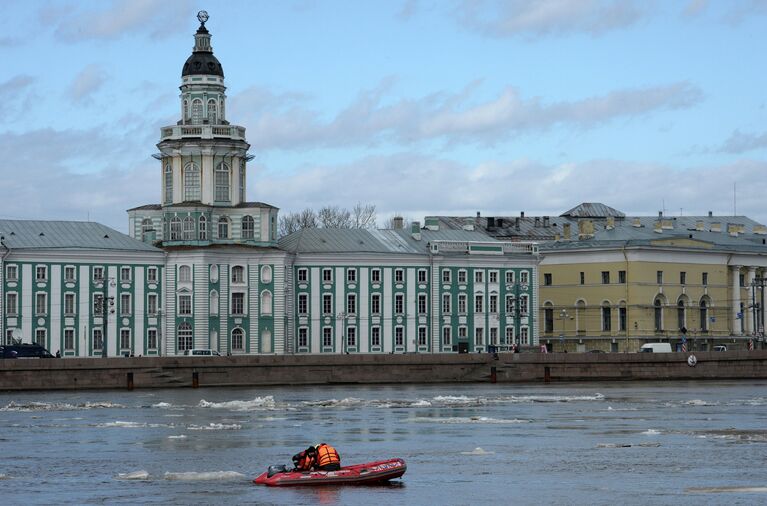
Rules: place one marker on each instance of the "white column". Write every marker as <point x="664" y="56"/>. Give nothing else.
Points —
<point x="735" y="299"/>
<point x="750" y="311"/>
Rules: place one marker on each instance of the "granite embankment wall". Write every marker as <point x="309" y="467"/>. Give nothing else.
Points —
<point x="172" y="372"/>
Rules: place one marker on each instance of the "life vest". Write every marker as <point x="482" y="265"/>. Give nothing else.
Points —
<point x="304" y="461"/>
<point x="327" y="455"/>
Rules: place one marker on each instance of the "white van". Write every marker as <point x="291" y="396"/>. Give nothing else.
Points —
<point x="655" y="348"/>
<point x="201" y="352"/>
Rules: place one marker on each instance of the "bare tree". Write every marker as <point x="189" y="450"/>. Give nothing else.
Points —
<point x="361" y="216"/>
<point x="293" y="222"/>
<point x="334" y="217"/>
<point x="364" y="216"/>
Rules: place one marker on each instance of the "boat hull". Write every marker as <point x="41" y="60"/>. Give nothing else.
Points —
<point x="358" y="474"/>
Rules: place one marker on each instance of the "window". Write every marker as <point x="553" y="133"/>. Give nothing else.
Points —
<point x="327" y="336"/>
<point x="327" y="275"/>
<point x="659" y="277"/>
<point x="125" y="340"/>
<point x="509" y="335"/>
<point x="41" y="273"/>
<point x="11" y="273"/>
<point x="493" y="276"/>
<point x="191" y="182"/>
<point x="547" y="279"/>
<point x="524" y="277"/>
<point x="303" y="275"/>
<point x="658" y="310"/>
<point x="168" y="184"/>
<point x="523" y="306"/>
<point x="523" y="335"/>
<point x="266" y="302"/>
<point x="479" y="303"/>
<point x="303" y="304"/>
<point x="237" y="339"/>
<point x="41" y="303"/>
<point x="69" y="339"/>
<point x="212" y="119"/>
<point x="11" y="303"/>
<point x="680" y="314"/>
<point x="548" y="320"/>
<point x="375" y="336"/>
<point x="303" y="337"/>
<point x="69" y="274"/>
<point x="605" y="277"/>
<point x="493" y="300"/>
<point x="510" y="304"/>
<point x="151" y="304"/>
<point x="98" y="274"/>
<point x="125" y="274"/>
<point x="742" y="279"/>
<point x="703" y="316"/>
<point x="98" y="339"/>
<point x="446" y="275"/>
<point x="266" y="274"/>
<point x="422" y="275"/>
<point x="493" y="336"/>
<point x="213" y="303"/>
<point x="583" y="278"/>
<point x="248" y="227"/>
<point x="606" y="318"/>
<point x="203" y="229"/>
<point x="238" y="303"/>
<point x="222" y="182"/>
<point x="98" y="304"/>
<point x="175" y="229"/>
<point x="351" y="304"/>
<point x="375" y="304"/>
<point x="242" y="181"/>
<point x="188" y="228"/>
<point x="399" y="336"/>
<point x="327" y="304"/>
<point x="479" y="276"/>
<point x="462" y="276"/>
<point x="446" y="303"/>
<point x="151" y="275"/>
<point x="151" y="339"/>
<point x="421" y="336"/>
<point x="351" y="337"/>
<point x="184" y="304"/>
<point x="399" y="276"/>
<point x="421" y="303"/>
<point x="682" y="278"/>
<point x="447" y="338"/>
<point x="184" y="336"/>
<point x="223" y="227"/>
<point x="462" y="333"/>
<point x="399" y="303"/>
<point x="196" y="111"/>
<point x="125" y="304"/>
<point x="185" y="274"/>
<point x="40" y="336"/>
<point x="479" y="336"/>
<point x="69" y="304"/>
<point x="351" y="276"/>
<point x="462" y="303"/>
<point x="375" y="275"/>
<point x="622" y="319"/>
<point x="509" y="277"/>
<point x="238" y="274"/>
<point x="704" y="279"/>
<point x="622" y="277"/>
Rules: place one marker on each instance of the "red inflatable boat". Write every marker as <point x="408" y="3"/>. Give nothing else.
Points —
<point x="359" y="474"/>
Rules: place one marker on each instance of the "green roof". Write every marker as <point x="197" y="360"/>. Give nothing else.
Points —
<point x="77" y="235"/>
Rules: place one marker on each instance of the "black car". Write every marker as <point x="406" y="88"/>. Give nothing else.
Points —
<point x="24" y="351"/>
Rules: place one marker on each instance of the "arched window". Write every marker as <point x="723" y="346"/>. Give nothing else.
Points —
<point x="222" y="182"/>
<point x="168" y="183"/>
<point x="658" y="308"/>
<point x="266" y="302"/>
<point x="248" y="227"/>
<point x="238" y="274"/>
<point x="266" y="274"/>
<point x="188" y="228"/>
<point x="237" y="339"/>
<point x="185" y="274"/>
<point x="186" y="111"/>
<point x="212" y="118"/>
<point x="242" y="181"/>
<point x="548" y="317"/>
<point x="681" y="315"/>
<point x="196" y="111"/>
<point x="203" y="229"/>
<point x="606" y="317"/>
<point x="703" y="315"/>
<point x="175" y="228"/>
<point x="185" y="341"/>
<point x="147" y="230"/>
<point x="223" y="227"/>
<point x="580" y="316"/>
<point x="213" y="302"/>
<point x="191" y="182"/>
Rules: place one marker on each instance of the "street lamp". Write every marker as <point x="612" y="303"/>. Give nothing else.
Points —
<point x="563" y="315"/>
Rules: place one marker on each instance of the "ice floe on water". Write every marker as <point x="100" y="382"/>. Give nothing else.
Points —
<point x="205" y="476"/>
<point x="131" y="425"/>
<point x="57" y="406"/>
<point x="180" y="436"/>
<point x="478" y="451"/>
<point x="467" y="420"/>
<point x="651" y="432"/>
<point x="259" y="403"/>
<point x="216" y="426"/>
<point x="628" y="445"/>
<point x="135" y="475"/>
<point x="721" y="490"/>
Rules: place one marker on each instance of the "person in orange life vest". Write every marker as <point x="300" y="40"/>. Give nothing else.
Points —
<point x="305" y="460"/>
<point x="327" y="458"/>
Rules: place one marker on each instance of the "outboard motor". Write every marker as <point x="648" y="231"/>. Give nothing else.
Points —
<point x="276" y="469"/>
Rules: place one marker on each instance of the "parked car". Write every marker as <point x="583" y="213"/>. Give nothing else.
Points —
<point x="201" y="352"/>
<point x="24" y="351"/>
<point x="720" y="347"/>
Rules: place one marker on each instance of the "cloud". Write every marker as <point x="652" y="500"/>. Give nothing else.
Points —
<point x="739" y="11"/>
<point x="536" y="18"/>
<point x="287" y="121"/>
<point x="742" y="142"/>
<point x="408" y="10"/>
<point x="87" y="83"/>
<point x="112" y="20"/>
<point x="17" y="95"/>
<point x="695" y="8"/>
<point x="417" y="185"/>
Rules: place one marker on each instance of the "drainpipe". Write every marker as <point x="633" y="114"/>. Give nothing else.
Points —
<point x="626" y="262"/>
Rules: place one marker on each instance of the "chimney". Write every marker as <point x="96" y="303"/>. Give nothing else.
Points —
<point x="699" y="226"/>
<point x="477" y="214"/>
<point x="546" y="221"/>
<point x="660" y="214"/>
<point x="610" y="222"/>
<point x="499" y="222"/>
<point x="415" y="230"/>
<point x="585" y="229"/>
<point x="566" y="231"/>
<point x="490" y="222"/>
<point x="516" y="224"/>
<point x="710" y="214"/>
<point x="399" y="223"/>
<point x="537" y="221"/>
<point x="522" y="214"/>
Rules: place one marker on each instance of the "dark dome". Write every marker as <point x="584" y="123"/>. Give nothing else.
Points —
<point x="202" y="63"/>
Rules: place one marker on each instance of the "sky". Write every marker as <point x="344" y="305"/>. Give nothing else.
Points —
<point x="444" y="107"/>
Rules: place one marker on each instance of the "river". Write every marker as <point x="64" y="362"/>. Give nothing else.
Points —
<point x="586" y="443"/>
